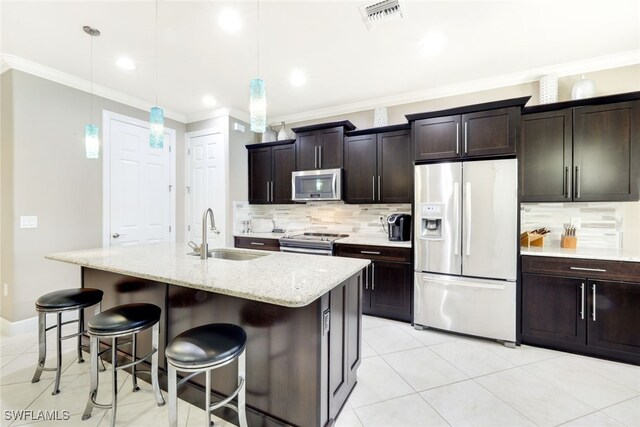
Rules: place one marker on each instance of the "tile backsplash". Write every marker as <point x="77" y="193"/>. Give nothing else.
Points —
<point x="600" y="224"/>
<point x="362" y="220"/>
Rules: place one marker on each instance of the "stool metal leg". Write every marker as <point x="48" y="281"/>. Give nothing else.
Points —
<point x="56" y="387"/>
<point x="134" y="340"/>
<point x="242" y="415"/>
<point x="173" y="395"/>
<point x="114" y="391"/>
<point x="155" y="344"/>
<point x="207" y="394"/>
<point x="42" y="346"/>
<point x="93" y="388"/>
<point x="80" y="333"/>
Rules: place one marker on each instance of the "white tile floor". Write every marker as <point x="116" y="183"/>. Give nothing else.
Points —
<point x="407" y="378"/>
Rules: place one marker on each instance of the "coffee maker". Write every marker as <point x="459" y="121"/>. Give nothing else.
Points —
<point x="399" y="227"/>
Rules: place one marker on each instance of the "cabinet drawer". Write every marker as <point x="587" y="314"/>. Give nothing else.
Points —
<point x="257" y="243"/>
<point x="374" y="253"/>
<point x="580" y="267"/>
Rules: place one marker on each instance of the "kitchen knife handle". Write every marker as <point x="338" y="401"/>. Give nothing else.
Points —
<point x="582" y="301"/>
<point x="567" y="192"/>
<point x="457" y="138"/>
<point x="593" y="313"/>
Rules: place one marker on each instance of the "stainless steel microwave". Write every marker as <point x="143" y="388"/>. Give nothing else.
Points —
<point x="323" y="184"/>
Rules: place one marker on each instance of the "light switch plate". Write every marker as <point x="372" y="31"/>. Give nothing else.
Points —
<point x="28" y="221"/>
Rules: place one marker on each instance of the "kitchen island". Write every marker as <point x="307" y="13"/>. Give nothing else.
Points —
<point x="302" y="315"/>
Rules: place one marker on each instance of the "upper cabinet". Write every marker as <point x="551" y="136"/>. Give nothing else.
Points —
<point x="484" y="130"/>
<point x="584" y="153"/>
<point x="321" y="146"/>
<point x="377" y="166"/>
<point x="270" y="167"/>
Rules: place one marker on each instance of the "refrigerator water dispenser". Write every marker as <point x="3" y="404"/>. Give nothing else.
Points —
<point x="431" y="215"/>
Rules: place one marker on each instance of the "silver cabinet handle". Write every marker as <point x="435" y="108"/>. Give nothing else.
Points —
<point x="379" y="188"/>
<point x="272" y="191"/>
<point x="373" y="188"/>
<point x="267" y="191"/>
<point x="366" y="274"/>
<point x="601" y="270"/>
<point x="257" y="243"/>
<point x="115" y="235"/>
<point x="582" y="301"/>
<point x="465" y="137"/>
<point x="593" y="313"/>
<point x="315" y="156"/>
<point x="567" y="192"/>
<point x="457" y="138"/>
<point x="373" y="277"/>
<point x="577" y="182"/>
<point x="370" y="252"/>
<point x="320" y="157"/>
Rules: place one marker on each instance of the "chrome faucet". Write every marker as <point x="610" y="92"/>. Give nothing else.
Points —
<point x="204" y="247"/>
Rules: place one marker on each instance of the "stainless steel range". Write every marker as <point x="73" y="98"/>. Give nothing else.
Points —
<point x="310" y="243"/>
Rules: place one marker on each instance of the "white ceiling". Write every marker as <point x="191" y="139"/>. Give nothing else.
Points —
<point x="345" y="63"/>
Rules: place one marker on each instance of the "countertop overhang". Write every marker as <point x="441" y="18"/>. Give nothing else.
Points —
<point x="290" y="280"/>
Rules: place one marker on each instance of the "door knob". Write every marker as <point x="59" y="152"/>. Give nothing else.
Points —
<point x="115" y="235"/>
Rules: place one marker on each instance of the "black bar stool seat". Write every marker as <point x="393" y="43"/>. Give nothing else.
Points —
<point x="201" y="350"/>
<point x="59" y="302"/>
<point x="116" y="322"/>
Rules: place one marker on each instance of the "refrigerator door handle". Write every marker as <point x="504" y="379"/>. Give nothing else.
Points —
<point x="467" y="209"/>
<point x="456" y="216"/>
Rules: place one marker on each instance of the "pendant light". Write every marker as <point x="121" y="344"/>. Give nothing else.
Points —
<point x="257" y="89"/>
<point x="156" y="117"/>
<point x="91" y="139"/>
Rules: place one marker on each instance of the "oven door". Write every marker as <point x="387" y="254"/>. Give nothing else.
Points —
<point x="324" y="184"/>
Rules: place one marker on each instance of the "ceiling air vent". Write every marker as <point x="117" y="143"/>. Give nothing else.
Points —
<point x="381" y="11"/>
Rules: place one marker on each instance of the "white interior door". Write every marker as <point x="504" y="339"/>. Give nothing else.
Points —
<point x="140" y="184"/>
<point x="206" y="180"/>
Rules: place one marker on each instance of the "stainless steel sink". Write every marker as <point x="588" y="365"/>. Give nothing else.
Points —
<point x="230" y="254"/>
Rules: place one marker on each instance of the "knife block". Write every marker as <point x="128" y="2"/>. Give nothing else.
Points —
<point x="568" y="242"/>
<point x="531" y="239"/>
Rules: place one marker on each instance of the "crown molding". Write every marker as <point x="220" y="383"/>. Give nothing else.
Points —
<point x="218" y="112"/>
<point x="39" y="70"/>
<point x="565" y="69"/>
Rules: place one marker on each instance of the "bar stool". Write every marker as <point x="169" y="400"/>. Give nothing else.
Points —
<point x="117" y="322"/>
<point x="203" y="349"/>
<point x="59" y="302"/>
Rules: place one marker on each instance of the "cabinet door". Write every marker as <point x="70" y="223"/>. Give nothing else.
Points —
<point x="545" y="157"/>
<point x="437" y="138"/>
<point x="553" y="310"/>
<point x="395" y="168"/>
<point x="259" y="174"/>
<point x="614" y="316"/>
<point x="490" y="133"/>
<point x="390" y="286"/>
<point x="606" y="152"/>
<point x="330" y="148"/>
<point x="284" y="162"/>
<point x="360" y="169"/>
<point x="307" y="150"/>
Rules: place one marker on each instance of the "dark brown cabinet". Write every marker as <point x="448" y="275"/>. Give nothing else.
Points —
<point x="270" y="170"/>
<point x="476" y="134"/>
<point x="321" y="146"/>
<point x="588" y="153"/>
<point x="256" y="243"/>
<point x="580" y="305"/>
<point x="388" y="281"/>
<point x="378" y="168"/>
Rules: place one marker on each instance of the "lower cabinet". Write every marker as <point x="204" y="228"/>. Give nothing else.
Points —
<point x="256" y="243"/>
<point x="585" y="306"/>
<point x="388" y="281"/>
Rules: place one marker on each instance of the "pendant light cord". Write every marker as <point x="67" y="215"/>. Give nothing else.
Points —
<point x="156" y="37"/>
<point x="258" y="37"/>
<point x="91" y="77"/>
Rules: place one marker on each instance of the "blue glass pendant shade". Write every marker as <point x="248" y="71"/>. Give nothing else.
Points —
<point x="258" y="105"/>
<point x="156" y="128"/>
<point x="91" y="141"/>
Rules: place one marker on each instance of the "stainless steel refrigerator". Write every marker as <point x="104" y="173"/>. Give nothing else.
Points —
<point x="466" y="244"/>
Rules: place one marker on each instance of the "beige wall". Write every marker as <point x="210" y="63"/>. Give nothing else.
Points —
<point x="45" y="173"/>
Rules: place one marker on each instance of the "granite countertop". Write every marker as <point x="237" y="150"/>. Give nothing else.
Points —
<point x="353" y="239"/>
<point x="588" y="253"/>
<point x="290" y="280"/>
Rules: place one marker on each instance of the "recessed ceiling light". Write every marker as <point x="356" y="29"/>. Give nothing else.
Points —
<point x="126" y="64"/>
<point x="298" y="78"/>
<point x="230" y="21"/>
<point x="209" y="100"/>
<point x="432" y="44"/>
